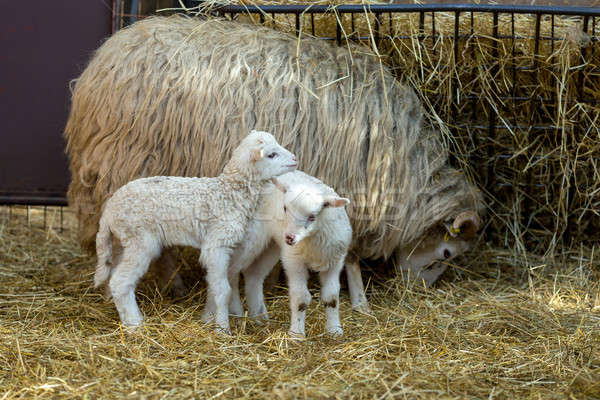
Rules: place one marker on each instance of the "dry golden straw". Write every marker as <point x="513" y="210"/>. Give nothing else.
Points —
<point x="480" y="334"/>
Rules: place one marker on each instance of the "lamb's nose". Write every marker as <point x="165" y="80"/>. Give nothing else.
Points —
<point x="289" y="238"/>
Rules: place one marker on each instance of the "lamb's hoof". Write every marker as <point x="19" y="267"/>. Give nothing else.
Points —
<point x="261" y="319"/>
<point x="362" y="308"/>
<point x="296" y="335"/>
<point x="236" y="310"/>
<point x="132" y="324"/>
<point x="107" y="293"/>
<point x="223" y="331"/>
<point x="335" y="332"/>
<point x="207" y="317"/>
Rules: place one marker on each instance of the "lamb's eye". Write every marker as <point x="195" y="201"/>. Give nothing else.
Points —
<point x="284" y="209"/>
<point x="447" y="253"/>
<point x="311" y="218"/>
<point x="272" y="155"/>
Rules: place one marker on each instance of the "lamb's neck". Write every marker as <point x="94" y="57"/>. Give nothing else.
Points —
<point x="243" y="186"/>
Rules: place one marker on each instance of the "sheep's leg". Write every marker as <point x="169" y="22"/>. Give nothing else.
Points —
<point x="355" y="284"/>
<point x="272" y="279"/>
<point x="330" y="296"/>
<point x="208" y="314"/>
<point x="117" y="256"/>
<point x="235" y="302"/>
<point x="254" y="276"/>
<point x="297" y="275"/>
<point x="216" y="262"/>
<point x="243" y="255"/>
<point x="134" y="264"/>
<point x="169" y="275"/>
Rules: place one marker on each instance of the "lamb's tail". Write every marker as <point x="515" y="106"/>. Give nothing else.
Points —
<point x="104" y="253"/>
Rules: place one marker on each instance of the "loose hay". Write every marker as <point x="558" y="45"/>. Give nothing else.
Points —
<point x="484" y="334"/>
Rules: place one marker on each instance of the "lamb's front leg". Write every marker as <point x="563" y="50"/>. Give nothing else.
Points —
<point x="330" y="296"/>
<point x="216" y="261"/>
<point x="297" y="275"/>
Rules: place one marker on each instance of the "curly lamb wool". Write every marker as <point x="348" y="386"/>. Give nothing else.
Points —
<point x="210" y="214"/>
<point x="170" y="96"/>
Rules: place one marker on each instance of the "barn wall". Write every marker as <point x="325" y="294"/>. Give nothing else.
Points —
<point x="44" y="44"/>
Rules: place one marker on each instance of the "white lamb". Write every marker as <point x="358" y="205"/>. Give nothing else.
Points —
<point x="304" y="223"/>
<point x="211" y="214"/>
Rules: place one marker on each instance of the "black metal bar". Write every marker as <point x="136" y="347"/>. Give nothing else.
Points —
<point x="527" y="210"/>
<point x="433" y="32"/>
<point x="377" y="29"/>
<point x="312" y="23"/>
<point x="407" y="8"/>
<point x="474" y="138"/>
<point x="492" y="116"/>
<point x="33" y="200"/>
<point x="297" y="24"/>
<point x="338" y="32"/>
<point x="455" y="86"/>
<point x="456" y="23"/>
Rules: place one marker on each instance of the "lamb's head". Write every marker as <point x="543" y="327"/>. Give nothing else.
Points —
<point x="304" y="210"/>
<point x="441" y="244"/>
<point x="261" y="155"/>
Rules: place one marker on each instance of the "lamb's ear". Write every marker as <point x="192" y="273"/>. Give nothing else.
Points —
<point x="334" y="201"/>
<point x="257" y="154"/>
<point x="279" y="185"/>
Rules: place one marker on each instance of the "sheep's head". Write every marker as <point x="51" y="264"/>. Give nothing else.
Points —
<point x="304" y="209"/>
<point x="426" y="259"/>
<point x="266" y="158"/>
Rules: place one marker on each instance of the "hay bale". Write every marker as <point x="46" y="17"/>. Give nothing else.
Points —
<point x="170" y="96"/>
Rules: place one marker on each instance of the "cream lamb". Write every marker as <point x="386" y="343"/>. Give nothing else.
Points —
<point x="211" y="214"/>
<point x="306" y="225"/>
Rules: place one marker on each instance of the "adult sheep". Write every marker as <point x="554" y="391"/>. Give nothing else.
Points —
<point x="173" y="95"/>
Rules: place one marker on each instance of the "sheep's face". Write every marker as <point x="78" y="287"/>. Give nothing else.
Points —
<point x="268" y="158"/>
<point x="442" y="244"/>
<point x="303" y="210"/>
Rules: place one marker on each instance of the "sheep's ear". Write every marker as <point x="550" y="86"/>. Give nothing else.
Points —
<point x="279" y="185"/>
<point x="257" y="154"/>
<point x="334" y="201"/>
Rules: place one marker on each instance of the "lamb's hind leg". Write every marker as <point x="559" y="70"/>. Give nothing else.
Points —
<point x="254" y="276"/>
<point x="134" y="264"/>
<point x="216" y="262"/>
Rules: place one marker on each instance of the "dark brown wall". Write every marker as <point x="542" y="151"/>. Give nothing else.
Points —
<point x="43" y="45"/>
